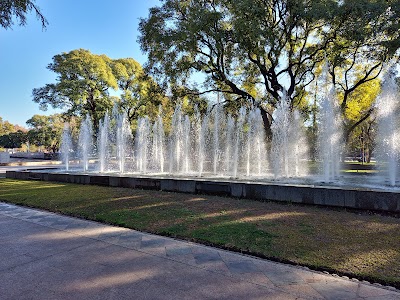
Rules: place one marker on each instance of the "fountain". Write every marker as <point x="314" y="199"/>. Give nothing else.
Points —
<point x="158" y="145"/>
<point x="238" y="137"/>
<point x="85" y="142"/>
<point x="388" y="111"/>
<point x="216" y="144"/>
<point x="216" y="138"/>
<point x="329" y="138"/>
<point x="227" y="154"/>
<point x="289" y="147"/>
<point x="123" y="141"/>
<point x="103" y="144"/>
<point x="205" y="145"/>
<point x="142" y="144"/>
<point x="201" y="146"/>
<point x="66" y="146"/>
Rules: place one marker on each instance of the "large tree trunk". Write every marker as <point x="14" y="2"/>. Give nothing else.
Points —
<point x="92" y="108"/>
<point x="267" y="123"/>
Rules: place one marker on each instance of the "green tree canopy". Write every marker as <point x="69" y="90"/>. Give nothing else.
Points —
<point x="18" y="9"/>
<point x="82" y="85"/>
<point x="11" y="136"/>
<point x="140" y="94"/>
<point x="369" y="39"/>
<point x="46" y="131"/>
<point x="13" y="139"/>
<point x="253" y="50"/>
<point x="85" y="82"/>
<point x="6" y="127"/>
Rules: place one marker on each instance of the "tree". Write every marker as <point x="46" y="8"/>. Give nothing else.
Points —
<point x="46" y="131"/>
<point x="359" y="106"/>
<point x="13" y="139"/>
<point x="359" y="53"/>
<point x="11" y="136"/>
<point x="140" y="94"/>
<point x="6" y="127"/>
<point x="82" y="86"/>
<point x="240" y="47"/>
<point x="362" y="140"/>
<point x="18" y="9"/>
<point x="359" y="120"/>
<point x="260" y="45"/>
<point x="85" y="82"/>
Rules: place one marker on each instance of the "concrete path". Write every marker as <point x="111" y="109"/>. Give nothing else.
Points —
<point x="49" y="256"/>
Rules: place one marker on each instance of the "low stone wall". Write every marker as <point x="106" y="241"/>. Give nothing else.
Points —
<point x="388" y="201"/>
<point x="4" y="157"/>
<point x="35" y="155"/>
<point x="28" y="155"/>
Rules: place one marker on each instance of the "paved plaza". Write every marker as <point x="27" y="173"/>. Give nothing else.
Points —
<point x="50" y="256"/>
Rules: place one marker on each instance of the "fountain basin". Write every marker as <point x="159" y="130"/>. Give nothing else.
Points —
<point x="312" y="194"/>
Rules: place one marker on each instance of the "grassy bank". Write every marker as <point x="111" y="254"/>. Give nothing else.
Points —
<point x="361" y="245"/>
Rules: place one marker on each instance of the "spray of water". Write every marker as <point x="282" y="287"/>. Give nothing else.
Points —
<point x="123" y="141"/>
<point x="66" y="146"/>
<point x="103" y="143"/>
<point x="388" y="110"/>
<point x="289" y="151"/>
<point x="85" y="142"/>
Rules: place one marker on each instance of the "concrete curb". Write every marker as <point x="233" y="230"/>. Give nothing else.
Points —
<point x="354" y="198"/>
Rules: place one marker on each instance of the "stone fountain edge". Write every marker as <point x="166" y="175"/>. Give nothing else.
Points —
<point x="357" y="198"/>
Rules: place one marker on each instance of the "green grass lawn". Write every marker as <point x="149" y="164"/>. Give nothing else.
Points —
<point x="361" y="245"/>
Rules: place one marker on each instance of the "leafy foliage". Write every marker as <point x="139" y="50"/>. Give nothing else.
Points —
<point x="140" y="94"/>
<point x="253" y="50"/>
<point x="91" y="84"/>
<point x="18" y="9"/>
<point x="361" y="100"/>
<point x="365" y="42"/>
<point x="46" y="131"/>
<point x="11" y="136"/>
<point x="82" y="86"/>
<point x="13" y="139"/>
<point x="6" y="127"/>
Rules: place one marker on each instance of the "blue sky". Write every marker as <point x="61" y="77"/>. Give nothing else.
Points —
<point x="103" y="27"/>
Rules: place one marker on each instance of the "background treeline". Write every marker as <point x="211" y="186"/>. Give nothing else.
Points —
<point x="249" y="52"/>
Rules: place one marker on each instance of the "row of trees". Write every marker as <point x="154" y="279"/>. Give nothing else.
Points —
<point x="10" y="134"/>
<point x="253" y="52"/>
<point x="91" y="84"/>
<point x="44" y="133"/>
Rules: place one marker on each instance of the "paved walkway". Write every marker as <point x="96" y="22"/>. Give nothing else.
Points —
<point x="49" y="256"/>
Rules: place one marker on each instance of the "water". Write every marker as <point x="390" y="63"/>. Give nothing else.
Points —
<point x="142" y="145"/>
<point x="217" y="144"/>
<point x="216" y="138"/>
<point x="66" y="146"/>
<point x="123" y="141"/>
<point x="289" y="146"/>
<point x="280" y="139"/>
<point x="202" y="142"/>
<point x="103" y="144"/>
<point x="158" y="145"/>
<point x="210" y="144"/>
<point x="330" y="137"/>
<point x="238" y="141"/>
<point x="85" y="142"/>
<point x="388" y="129"/>
<point x="201" y="145"/>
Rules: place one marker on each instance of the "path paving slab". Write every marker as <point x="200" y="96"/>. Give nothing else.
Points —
<point x="49" y="256"/>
